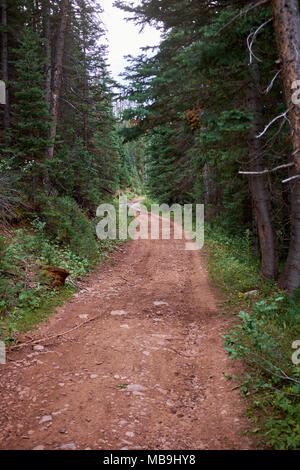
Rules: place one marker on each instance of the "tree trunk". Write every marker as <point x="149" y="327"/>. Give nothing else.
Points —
<point x="4" y="63"/>
<point x="290" y="278"/>
<point x="85" y="80"/>
<point x="286" y="18"/>
<point x="208" y="192"/>
<point x="212" y="193"/>
<point x="259" y="183"/>
<point x="57" y="77"/>
<point x="47" y="34"/>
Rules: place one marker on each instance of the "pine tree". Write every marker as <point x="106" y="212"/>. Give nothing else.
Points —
<point x="31" y="123"/>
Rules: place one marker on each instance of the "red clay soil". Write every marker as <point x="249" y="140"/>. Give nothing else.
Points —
<point x="147" y="374"/>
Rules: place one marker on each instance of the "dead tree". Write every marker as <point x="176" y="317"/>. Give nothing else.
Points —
<point x="259" y="182"/>
<point x="286" y="19"/>
<point x="4" y="63"/>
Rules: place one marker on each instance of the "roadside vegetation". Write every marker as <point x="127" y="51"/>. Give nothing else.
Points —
<point x="209" y="116"/>
<point x="63" y="237"/>
<point x="266" y="326"/>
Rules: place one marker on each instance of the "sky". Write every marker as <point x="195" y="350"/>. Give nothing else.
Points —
<point x="124" y="37"/>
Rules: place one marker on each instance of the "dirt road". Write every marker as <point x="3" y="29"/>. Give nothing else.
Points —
<point x="147" y="374"/>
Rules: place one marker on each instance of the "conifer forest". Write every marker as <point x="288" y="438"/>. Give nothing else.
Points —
<point x="121" y="342"/>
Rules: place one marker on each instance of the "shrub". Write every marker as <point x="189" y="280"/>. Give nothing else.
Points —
<point x="22" y="287"/>
<point x="268" y="325"/>
<point x="264" y="340"/>
<point x="64" y="238"/>
<point x="233" y="265"/>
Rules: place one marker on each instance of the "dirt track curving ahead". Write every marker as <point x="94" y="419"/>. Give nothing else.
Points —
<point x="147" y="374"/>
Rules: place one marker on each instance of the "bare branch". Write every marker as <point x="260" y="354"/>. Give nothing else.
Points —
<point x="282" y="115"/>
<point x="296" y="151"/>
<point x="241" y="13"/>
<point x="70" y="104"/>
<point x="296" y="177"/>
<point x="282" y="375"/>
<point x="251" y="53"/>
<point x="48" y="338"/>
<point x="276" y="370"/>
<point x="272" y="82"/>
<point x="263" y="172"/>
<point x="253" y="36"/>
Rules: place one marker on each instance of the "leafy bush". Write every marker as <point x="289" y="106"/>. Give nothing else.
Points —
<point x="63" y="238"/>
<point x="264" y="341"/>
<point x="22" y="287"/>
<point x="234" y="267"/>
<point x="148" y="203"/>
<point x="268" y="325"/>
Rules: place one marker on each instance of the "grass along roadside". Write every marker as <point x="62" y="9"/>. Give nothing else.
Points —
<point x="26" y="299"/>
<point x="267" y="324"/>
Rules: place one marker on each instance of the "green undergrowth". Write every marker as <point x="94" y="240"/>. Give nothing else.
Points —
<point x="267" y="324"/>
<point x="146" y="202"/>
<point x="31" y="317"/>
<point x="61" y="236"/>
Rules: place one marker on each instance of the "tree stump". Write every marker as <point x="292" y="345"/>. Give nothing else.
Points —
<point x="56" y="276"/>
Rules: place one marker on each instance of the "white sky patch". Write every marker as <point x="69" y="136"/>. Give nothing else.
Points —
<point x="124" y="38"/>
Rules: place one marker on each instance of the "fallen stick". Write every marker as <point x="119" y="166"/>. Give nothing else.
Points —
<point x="47" y="338"/>
<point x="178" y="352"/>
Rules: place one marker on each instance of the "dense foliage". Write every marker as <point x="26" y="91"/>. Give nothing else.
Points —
<point x="203" y="102"/>
<point x="262" y="337"/>
<point x="207" y="118"/>
<point x="61" y="152"/>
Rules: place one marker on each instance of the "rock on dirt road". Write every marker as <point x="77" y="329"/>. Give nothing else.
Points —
<point x="147" y="374"/>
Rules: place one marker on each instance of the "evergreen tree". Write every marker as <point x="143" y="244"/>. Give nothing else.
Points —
<point x="30" y="124"/>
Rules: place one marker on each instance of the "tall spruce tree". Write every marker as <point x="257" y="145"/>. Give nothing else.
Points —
<point x="31" y="119"/>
